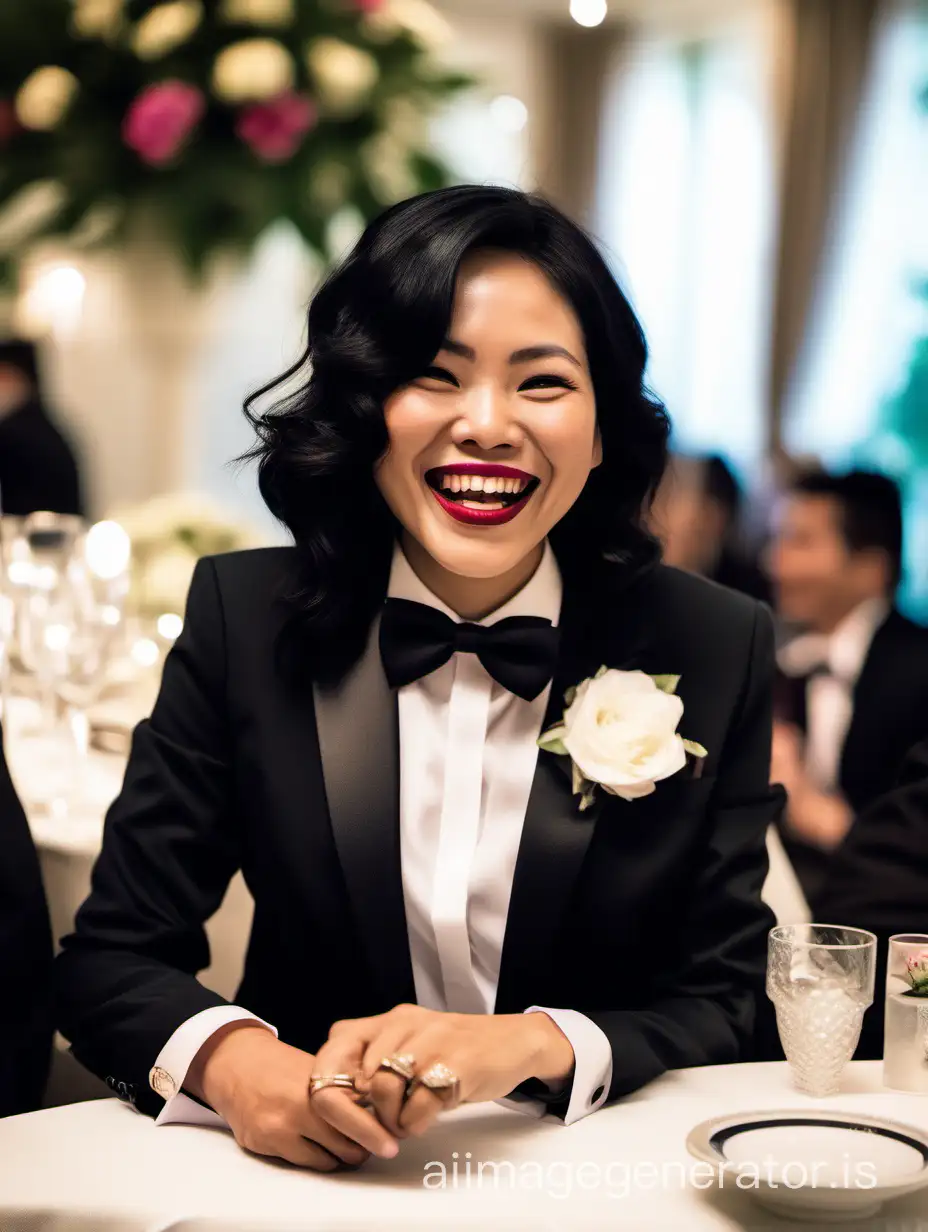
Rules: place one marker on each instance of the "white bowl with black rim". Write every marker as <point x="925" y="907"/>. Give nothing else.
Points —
<point x="820" y="1166"/>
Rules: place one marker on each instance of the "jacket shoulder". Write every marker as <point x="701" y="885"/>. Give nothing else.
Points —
<point x="696" y="599"/>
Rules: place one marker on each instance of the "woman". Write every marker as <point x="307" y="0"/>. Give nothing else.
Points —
<point x="473" y="447"/>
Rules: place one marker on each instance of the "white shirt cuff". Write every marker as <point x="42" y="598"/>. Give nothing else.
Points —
<point x="592" y="1061"/>
<point x="177" y="1055"/>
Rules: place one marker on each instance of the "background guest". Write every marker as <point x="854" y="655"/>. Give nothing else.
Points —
<point x="25" y="960"/>
<point x="38" y="467"/>
<point x="698" y="518"/>
<point x="854" y="688"/>
<point x="879" y="877"/>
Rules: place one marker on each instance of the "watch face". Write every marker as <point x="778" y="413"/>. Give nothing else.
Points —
<point x="162" y="1083"/>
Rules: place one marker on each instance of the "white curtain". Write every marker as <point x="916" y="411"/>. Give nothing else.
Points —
<point x="685" y="204"/>
<point x="866" y="316"/>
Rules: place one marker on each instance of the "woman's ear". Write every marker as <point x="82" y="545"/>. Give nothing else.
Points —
<point x="597" y="449"/>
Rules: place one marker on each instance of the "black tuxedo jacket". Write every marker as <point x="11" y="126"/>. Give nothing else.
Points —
<point x="890" y="715"/>
<point x="25" y="960"/>
<point x="879" y="878"/>
<point x="646" y="916"/>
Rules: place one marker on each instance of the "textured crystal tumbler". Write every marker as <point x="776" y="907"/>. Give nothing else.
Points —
<point x="820" y="980"/>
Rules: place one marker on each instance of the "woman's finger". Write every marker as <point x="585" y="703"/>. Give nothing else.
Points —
<point x="303" y="1153"/>
<point x="340" y="1108"/>
<point x="317" y="1129"/>
<point x="385" y="1088"/>
<point x="342" y="1111"/>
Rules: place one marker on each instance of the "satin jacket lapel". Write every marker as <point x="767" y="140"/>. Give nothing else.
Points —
<point x="599" y="625"/>
<point x="358" y="732"/>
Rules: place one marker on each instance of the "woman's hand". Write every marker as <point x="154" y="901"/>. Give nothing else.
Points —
<point x="260" y="1087"/>
<point x="491" y="1054"/>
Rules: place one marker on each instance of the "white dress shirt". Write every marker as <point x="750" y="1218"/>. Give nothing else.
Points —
<point x="830" y="697"/>
<point x="467" y="761"/>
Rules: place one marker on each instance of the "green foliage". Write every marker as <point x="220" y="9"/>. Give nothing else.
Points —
<point x="215" y="192"/>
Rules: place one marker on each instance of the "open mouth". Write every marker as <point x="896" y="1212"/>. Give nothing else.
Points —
<point x="480" y="493"/>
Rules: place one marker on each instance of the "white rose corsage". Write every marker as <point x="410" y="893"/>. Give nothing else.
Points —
<point x="620" y="732"/>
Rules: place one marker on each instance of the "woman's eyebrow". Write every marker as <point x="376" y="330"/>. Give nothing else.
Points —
<point x="542" y="350"/>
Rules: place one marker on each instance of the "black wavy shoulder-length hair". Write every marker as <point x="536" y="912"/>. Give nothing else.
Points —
<point x="375" y="325"/>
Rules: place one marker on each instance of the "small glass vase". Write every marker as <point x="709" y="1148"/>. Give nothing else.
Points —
<point x="905" y="1045"/>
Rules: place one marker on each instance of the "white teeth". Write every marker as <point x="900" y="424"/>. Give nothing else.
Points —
<point x="490" y="485"/>
<point x="485" y="506"/>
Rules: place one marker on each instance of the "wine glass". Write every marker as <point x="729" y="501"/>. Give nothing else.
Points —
<point x="820" y="979"/>
<point x="76" y="586"/>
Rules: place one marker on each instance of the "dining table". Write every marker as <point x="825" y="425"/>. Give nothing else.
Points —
<point x="103" y="1167"/>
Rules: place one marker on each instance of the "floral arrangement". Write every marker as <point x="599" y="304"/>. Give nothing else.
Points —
<point x="169" y="534"/>
<point x="211" y="119"/>
<point x="916" y="973"/>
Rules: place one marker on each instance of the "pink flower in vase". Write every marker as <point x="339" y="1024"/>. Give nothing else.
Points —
<point x="916" y="971"/>
<point x="275" y="130"/>
<point x="160" y="119"/>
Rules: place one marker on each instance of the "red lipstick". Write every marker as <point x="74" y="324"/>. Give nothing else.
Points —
<point x="475" y="516"/>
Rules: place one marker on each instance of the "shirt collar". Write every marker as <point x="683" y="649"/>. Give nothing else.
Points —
<point x="843" y="651"/>
<point x="540" y="596"/>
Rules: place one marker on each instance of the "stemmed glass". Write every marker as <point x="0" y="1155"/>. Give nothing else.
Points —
<point x="820" y="979"/>
<point x="74" y="582"/>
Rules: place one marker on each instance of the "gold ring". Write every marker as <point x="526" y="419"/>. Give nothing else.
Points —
<point x="400" y="1063"/>
<point x="319" y="1082"/>
<point x="441" y="1081"/>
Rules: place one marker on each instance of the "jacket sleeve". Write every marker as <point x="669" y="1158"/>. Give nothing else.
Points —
<point x="704" y="1011"/>
<point x="25" y="960"/>
<point x="126" y="977"/>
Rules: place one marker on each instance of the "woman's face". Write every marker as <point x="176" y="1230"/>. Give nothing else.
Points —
<point x="493" y="443"/>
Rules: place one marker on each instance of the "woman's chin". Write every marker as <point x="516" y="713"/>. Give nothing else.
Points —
<point x="475" y="555"/>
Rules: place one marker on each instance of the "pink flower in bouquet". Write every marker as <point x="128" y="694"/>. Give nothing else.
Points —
<point x="275" y="129"/>
<point x="161" y="118"/>
<point x="367" y="6"/>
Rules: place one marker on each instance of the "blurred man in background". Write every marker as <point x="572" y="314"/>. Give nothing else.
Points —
<point x="698" y="519"/>
<point x="38" y="469"/>
<point x="878" y="879"/>
<point x="853" y="694"/>
<point x="25" y="960"/>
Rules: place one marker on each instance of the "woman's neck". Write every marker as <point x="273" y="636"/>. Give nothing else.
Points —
<point x="470" y="598"/>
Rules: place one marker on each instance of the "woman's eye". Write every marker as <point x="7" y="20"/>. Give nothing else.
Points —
<point x="547" y="380"/>
<point x="434" y="373"/>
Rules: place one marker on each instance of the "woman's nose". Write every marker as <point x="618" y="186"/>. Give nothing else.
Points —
<point x="486" y="421"/>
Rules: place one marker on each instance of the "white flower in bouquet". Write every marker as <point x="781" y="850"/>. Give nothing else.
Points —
<point x="97" y="18"/>
<point x="258" y="12"/>
<point x="169" y="534"/>
<point x="166" y="27"/>
<point x="252" y="70"/>
<point x="344" y="75"/>
<point x="44" y="97"/>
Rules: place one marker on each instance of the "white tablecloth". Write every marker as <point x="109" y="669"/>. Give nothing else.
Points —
<point x="103" y="1167"/>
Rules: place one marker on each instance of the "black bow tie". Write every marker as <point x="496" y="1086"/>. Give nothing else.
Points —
<point x="519" y="652"/>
